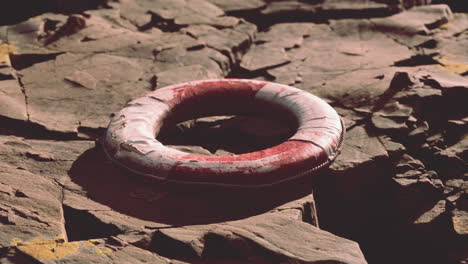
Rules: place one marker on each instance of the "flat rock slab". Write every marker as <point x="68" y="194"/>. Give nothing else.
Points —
<point x="361" y="148"/>
<point x="30" y="206"/>
<point x="13" y="104"/>
<point x="273" y="234"/>
<point x="263" y="56"/>
<point x="80" y="78"/>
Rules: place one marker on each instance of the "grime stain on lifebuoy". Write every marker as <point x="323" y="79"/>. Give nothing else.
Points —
<point x="130" y="148"/>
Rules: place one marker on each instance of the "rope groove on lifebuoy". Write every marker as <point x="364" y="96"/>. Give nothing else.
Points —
<point x="130" y="140"/>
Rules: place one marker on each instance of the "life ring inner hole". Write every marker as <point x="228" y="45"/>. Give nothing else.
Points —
<point x="227" y="123"/>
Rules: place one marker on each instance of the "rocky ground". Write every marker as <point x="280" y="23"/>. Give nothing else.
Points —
<point x="395" y="70"/>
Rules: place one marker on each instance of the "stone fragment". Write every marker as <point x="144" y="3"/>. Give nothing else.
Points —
<point x="231" y="41"/>
<point x="415" y="193"/>
<point x="263" y="56"/>
<point x="411" y="23"/>
<point x="392" y="116"/>
<point x="134" y="12"/>
<point x="353" y="8"/>
<point x="435" y="139"/>
<point x="288" y="74"/>
<point x="40" y="156"/>
<point x="73" y="24"/>
<point x="443" y="80"/>
<point x="395" y="109"/>
<point x="306" y="209"/>
<point x="83" y="79"/>
<point x="113" y="15"/>
<point x="460" y="221"/>
<point x="417" y="190"/>
<point x="12" y="100"/>
<point x="455" y="183"/>
<point x="359" y="149"/>
<point x="350" y="117"/>
<point x="425" y="93"/>
<point x="386" y="123"/>
<point x="407" y="163"/>
<point x="457" y="152"/>
<point x="236" y="6"/>
<point x="209" y="58"/>
<point x="287" y="35"/>
<point x="459" y="124"/>
<point x="290" y="7"/>
<point x="351" y="4"/>
<point x="393" y="148"/>
<point x="432" y="214"/>
<point x="418" y="133"/>
<point x="184" y="74"/>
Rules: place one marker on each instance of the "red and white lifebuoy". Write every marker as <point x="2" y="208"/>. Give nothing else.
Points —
<point x="131" y="142"/>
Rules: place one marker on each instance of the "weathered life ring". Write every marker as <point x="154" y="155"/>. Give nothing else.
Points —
<point x="130" y="140"/>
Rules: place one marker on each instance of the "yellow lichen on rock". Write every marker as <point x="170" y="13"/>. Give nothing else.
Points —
<point x="48" y="249"/>
<point x="103" y="251"/>
<point x="15" y="241"/>
<point x="459" y="224"/>
<point x="11" y="252"/>
<point x="5" y="51"/>
<point x="452" y="66"/>
<point x="88" y="244"/>
<point x="99" y="250"/>
<point x="446" y="25"/>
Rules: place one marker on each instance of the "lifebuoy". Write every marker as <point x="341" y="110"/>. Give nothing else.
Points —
<point x="130" y="140"/>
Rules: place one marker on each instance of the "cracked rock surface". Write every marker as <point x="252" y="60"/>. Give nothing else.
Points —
<point x="396" y="71"/>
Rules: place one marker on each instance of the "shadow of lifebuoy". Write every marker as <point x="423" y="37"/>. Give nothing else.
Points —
<point x="128" y="194"/>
